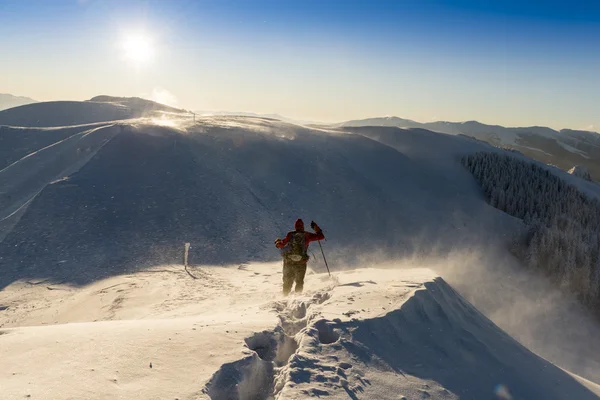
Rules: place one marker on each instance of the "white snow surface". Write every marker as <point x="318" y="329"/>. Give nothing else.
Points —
<point x="572" y="149"/>
<point x="68" y="113"/>
<point x="229" y="334"/>
<point x="581" y="172"/>
<point x="396" y="205"/>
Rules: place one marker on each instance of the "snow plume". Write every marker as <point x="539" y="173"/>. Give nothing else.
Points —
<point x="523" y="303"/>
<point x="163" y="96"/>
<point x="563" y="222"/>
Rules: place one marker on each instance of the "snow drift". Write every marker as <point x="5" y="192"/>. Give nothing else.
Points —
<point x="419" y="340"/>
<point x="368" y="333"/>
<point x="93" y="219"/>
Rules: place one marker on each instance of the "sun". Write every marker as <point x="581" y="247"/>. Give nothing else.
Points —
<point x="138" y="49"/>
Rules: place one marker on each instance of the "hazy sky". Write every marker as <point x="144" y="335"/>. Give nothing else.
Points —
<point x="512" y="62"/>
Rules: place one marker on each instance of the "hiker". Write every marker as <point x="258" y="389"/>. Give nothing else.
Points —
<point x="295" y="257"/>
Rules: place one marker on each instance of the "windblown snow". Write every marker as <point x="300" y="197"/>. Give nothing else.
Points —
<point x="424" y="301"/>
<point x="366" y="333"/>
<point x="97" y="109"/>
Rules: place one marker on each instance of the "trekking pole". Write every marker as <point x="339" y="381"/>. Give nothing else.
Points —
<point x="324" y="259"/>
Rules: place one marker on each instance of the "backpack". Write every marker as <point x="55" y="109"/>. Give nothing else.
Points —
<point x="297" y="248"/>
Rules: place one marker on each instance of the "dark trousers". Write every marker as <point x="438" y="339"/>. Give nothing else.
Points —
<point x="293" y="272"/>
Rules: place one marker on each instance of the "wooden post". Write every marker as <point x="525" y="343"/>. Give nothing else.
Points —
<point x="185" y="260"/>
<point x="185" y="256"/>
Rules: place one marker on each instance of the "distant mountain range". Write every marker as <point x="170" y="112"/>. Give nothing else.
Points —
<point x="10" y="101"/>
<point x="565" y="148"/>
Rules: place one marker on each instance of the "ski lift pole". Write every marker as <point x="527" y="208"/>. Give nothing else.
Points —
<point x="324" y="259"/>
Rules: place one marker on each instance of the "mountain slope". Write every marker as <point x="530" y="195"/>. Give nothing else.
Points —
<point x="92" y="213"/>
<point x="10" y="101"/>
<point x="62" y="113"/>
<point x="565" y="148"/>
<point x="68" y="113"/>
<point x="424" y="342"/>
<point x="18" y="142"/>
<point x="24" y="179"/>
<point x="146" y="189"/>
<point x="141" y="106"/>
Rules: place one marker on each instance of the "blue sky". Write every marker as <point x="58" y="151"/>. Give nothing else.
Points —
<point x="513" y="63"/>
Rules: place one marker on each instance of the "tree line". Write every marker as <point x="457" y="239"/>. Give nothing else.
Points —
<point x="563" y="235"/>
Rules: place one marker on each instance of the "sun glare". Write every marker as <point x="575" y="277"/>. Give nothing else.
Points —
<point x="138" y="49"/>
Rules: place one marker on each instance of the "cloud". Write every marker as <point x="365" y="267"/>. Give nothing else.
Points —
<point x="163" y="96"/>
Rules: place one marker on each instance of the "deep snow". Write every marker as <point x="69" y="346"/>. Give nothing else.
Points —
<point x="365" y="333"/>
<point x="92" y="224"/>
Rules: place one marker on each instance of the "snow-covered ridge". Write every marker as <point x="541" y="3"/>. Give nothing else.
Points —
<point x="138" y="104"/>
<point x="564" y="148"/>
<point x="228" y="334"/>
<point x="95" y="254"/>
<point x="68" y="113"/>
<point x="213" y="183"/>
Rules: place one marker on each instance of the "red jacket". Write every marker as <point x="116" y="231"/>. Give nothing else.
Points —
<point x="309" y="237"/>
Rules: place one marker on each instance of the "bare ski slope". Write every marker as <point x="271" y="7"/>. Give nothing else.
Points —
<point x="93" y="219"/>
<point x="364" y="334"/>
